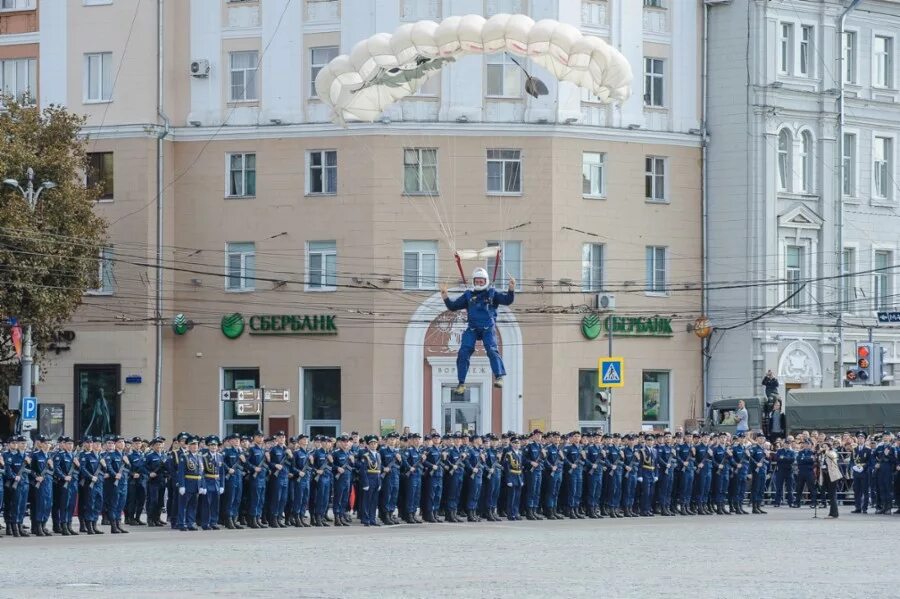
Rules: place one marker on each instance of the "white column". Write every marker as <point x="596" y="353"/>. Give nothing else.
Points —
<point x="627" y="32"/>
<point x="54" y="53"/>
<point x="282" y="64"/>
<point x="206" y="43"/>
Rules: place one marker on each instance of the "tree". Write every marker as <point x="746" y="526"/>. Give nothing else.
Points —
<point x="48" y="257"/>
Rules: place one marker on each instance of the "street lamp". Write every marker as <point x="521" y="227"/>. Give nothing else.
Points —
<point x="31" y="196"/>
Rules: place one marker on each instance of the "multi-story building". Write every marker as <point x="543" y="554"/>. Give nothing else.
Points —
<point x="810" y="231"/>
<point x="308" y="255"/>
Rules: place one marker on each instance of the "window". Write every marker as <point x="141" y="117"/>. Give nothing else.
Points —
<point x="654" y="82"/>
<point x="806" y="161"/>
<point x="100" y="173"/>
<point x="233" y="421"/>
<point x="105" y="277"/>
<point x="420" y="170"/>
<point x="591" y="407"/>
<point x="850" y="46"/>
<point x="16" y="4"/>
<point x="655" y="397"/>
<point x="848" y="269"/>
<point x="322" y="400"/>
<point x="793" y="273"/>
<point x="849" y="164"/>
<point x="504" y="171"/>
<point x="592" y="183"/>
<point x="786" y="48"/>
<point x="592" y="267"/>
<point x="593" y="12"/>
<point x="322" y="171"/>
<point x="504" y="77"/>
<point x="243" y="76"/>
<point x="655" y="178"/>
<point x="510" y="264"/>
<point x="806" y="49"/>
<point x="241" y="175"/>
<point x="318" y="58"/>
<point x="18" y="78"/>
<point x="321" y="266"/>
<point x="420" y="264"/>
<point x="430" y="88"/>
<point x="97" y="77"/>
<point x="653" y="3"/>
<point x="656" y="269"/>
<point x="98" y="399"/>
<point x="784" y="160"/>
<point x="240" y="266"/>
<point x="882" y="167"/>
<point x="881" y="276"/>
<point x="883" y="62"/>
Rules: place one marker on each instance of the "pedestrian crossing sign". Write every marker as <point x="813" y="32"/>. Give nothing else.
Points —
<point x="611" y="372"/>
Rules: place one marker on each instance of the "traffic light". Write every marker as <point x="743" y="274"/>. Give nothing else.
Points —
<point x="867" y="370"/>
<point x="602" y="405"/>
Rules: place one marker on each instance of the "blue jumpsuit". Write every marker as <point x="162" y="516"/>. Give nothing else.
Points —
<point x="481" y="307"/>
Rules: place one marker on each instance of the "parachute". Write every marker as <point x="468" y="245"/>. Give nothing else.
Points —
<point x="385" y="68"/>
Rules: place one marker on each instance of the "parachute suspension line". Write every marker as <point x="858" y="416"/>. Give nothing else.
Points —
<point x="460" y="268"/>
<point x="497" y="263"/>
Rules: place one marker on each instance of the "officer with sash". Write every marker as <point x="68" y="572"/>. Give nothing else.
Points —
<point x="212" y="485"/>
<point x="189" y="480"/>
<point x="512" y="478"/>
<point x="368" y="462"/>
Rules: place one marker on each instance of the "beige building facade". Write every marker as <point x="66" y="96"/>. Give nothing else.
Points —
<point x="307" y="257"/>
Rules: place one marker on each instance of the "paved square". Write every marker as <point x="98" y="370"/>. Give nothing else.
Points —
<point x="785" y="554"/>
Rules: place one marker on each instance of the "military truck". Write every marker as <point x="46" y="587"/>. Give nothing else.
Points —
<point x="870" y="409"/>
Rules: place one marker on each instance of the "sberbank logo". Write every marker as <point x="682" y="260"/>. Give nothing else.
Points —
<point x="233" y="325"/>
<point x="590" y="326"/>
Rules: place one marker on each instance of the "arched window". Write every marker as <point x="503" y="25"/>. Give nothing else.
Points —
<point x="806" y="161"/>
<point x="784" y="160"/>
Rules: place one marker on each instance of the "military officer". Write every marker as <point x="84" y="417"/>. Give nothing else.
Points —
<point x="758" y="465"/>
<point x="433" y="480"/>
<point x="321" y="463"/>
<point x="806" y="460"/>
<point x="137" y="483"/>
<point x="300" y="467"/>
<point x="155" y="466"/>
<point x="861" y="468"/>
<point x="512" y="478"/>
<point x="91" y="470"/>
<point x="189" y="480"/>
<point x="66" y="485"/>
<point x="368" y="461"/>
<point x="342" y="469"/>
<point x="41" y="465"/>
<point x="212" y="485"/>
<point x="411" y="468"/>
<point x="390" y="479"/>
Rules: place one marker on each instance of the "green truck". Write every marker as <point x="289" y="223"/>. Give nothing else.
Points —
<point x="871" y="409"/>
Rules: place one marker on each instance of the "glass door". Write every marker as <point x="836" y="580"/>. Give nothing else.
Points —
<point x="461" y="412"/>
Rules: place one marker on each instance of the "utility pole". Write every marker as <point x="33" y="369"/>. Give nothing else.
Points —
<point x="31" y="196"/>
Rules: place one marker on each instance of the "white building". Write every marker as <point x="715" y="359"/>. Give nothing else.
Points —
<point x="777" y="251"/>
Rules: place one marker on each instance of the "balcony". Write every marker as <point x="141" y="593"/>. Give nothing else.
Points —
<point x="595" y="13"/>
<point x="18" y="17"/>
<point x="656" y="20"/>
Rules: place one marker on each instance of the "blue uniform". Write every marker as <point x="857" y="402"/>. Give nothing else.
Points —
<point x="631" y="470"/>
<point x="861" y="468"/>
<point x="433" y="484"/>
<point x="390" y="482"/>
<point x="593" y="477"/>
<point x="41" y="467"/>
<point x="368" y="465"/>
<point x="648" y="461"/>
<point x="665" y="474"/>
<point x="512" y="478"/>
<point x="233" y="467"/>
<point x="66" y="490"/>
<point x="573" y="475"/>
<point x="493" y="480"/>
<point x="532" y="467"/>
<point x="454" y="471"/>
<point x="278" y="463"/>
<point x="173" y="507"/>
<point x="412" y="480"/>
<point x="91" y="476"/>
<point x="137" y="485"/>
<point x="885" y="470"/>
<point x="806" y="459"/>
<point x="212" y="487"/>
<point x="300" y="469"/>
<point x="613" y="483"/>
<point x="740" y="468"/>
<point x="189" y="480"/>
<point x="17" y="496"/>
<point x="685" y="455"/>
<point x="342" y="469"/>
<point x="323" y="480"/>
<point x="552" y="477"/>
<point x="784" y="475"/>
<point x="155" y="466"/>
<point x="481" y="307"/>
<point x="721" y="467"/>
<point x="473" y="462"/>
<point x="758" y="467"/>
<point x="256" y="458"/>
<point x="115" y="485"/>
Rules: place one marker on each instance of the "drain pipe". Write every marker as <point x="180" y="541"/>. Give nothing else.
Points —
<point x="842" y="282"/>
<point x="704" y="199"/>
<point x="162" y="132"/>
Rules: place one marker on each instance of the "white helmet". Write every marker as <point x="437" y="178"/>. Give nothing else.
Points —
<point x="480" y="273"/>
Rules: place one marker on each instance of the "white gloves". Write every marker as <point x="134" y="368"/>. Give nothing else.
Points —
<point x="221" y="490"/>
<point x="203" y="490"/>
<point x="181" y="490"/>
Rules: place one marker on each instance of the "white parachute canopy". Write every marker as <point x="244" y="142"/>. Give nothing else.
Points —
<point x="385" y="68"/>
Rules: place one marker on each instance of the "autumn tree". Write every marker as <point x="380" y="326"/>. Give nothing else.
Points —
<point x="48" y="255"/>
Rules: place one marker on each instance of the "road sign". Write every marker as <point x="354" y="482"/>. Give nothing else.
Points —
<point x="611" y="372"/>
<point x="886" y="317"/>
<point x="277" y="395"/>
<point x="241" y="394"/>
<point x="29" y="413"/>
<point x="248" y="408"/>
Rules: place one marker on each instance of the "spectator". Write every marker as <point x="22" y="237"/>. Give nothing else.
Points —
<point x="728" y="418"/>
<point x="770" y="383"/>
<point x="741" y="416"/>
<point x="776" y="422"/>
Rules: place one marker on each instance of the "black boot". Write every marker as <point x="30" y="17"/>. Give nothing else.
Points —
<point x="72" y="533"/>
<point x="471" y="516"/>
<point x="229" y="523"/>
<point x="759" y="507"/>
<point x="12" y="529"/>
<point x="22" y="531"/>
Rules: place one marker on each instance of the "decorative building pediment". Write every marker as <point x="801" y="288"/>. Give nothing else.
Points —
<point x="800" y="217"/>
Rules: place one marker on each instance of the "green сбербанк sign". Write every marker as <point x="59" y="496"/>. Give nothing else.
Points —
<point x="626" y="326"/>
<point x="280" y="324"/>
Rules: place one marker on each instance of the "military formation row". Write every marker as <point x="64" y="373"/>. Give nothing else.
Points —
<point x="257" y="482"/>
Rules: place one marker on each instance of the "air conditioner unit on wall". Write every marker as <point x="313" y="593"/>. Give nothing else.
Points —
<point x="200" y="68"/>
<point x="606" y="301"/>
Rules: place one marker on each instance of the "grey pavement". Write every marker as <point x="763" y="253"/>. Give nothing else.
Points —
<point x="785" y="554"/>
